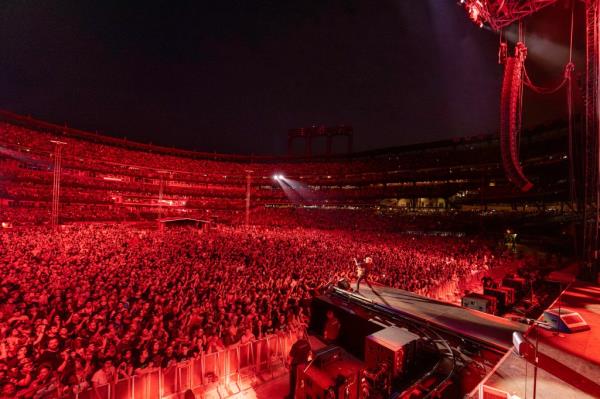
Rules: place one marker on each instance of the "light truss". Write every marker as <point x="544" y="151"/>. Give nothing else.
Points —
<point x="500" y="13"/>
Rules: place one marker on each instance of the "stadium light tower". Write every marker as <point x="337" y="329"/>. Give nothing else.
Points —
<point x="58" y="146"/>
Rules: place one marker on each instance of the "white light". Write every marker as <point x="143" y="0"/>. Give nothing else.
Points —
<point x="281" y="176"/>
<point x="276" y="177"/>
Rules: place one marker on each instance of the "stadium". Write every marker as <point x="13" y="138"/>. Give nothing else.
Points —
<point x="457" y="267"/>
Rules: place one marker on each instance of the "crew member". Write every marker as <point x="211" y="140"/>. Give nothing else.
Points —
<point x="299" y="354"/>
<point x="332" y="328"/>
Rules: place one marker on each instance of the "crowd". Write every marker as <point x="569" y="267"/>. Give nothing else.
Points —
<point x="94" y="303"/>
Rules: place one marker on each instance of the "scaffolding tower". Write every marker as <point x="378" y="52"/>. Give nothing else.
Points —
<point x="55" y="213"/>
<point x="591" y="167"/>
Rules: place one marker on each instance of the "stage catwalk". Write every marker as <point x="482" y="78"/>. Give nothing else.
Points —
<point x="483" y="327"/>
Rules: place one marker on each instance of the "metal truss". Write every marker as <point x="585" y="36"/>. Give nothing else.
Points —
<point x="591" y="178"/>
<point x="500" y="13"/>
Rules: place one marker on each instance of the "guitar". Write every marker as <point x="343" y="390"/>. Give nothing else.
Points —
<point x="360" y="270"/>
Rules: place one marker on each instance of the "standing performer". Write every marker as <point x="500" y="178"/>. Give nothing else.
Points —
<point x="362" y="271"/>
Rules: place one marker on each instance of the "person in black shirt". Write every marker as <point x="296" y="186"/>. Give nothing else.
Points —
<point x="51" y="356"/>
<point x="299" y="353"/>
<point x="332" y="328"/>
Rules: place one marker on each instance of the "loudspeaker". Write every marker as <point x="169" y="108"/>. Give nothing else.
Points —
<point x="522" y="346"/>
<point x="565" y="320"/>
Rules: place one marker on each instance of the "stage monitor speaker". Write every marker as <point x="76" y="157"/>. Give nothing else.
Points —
<point x="518" y="283"/>
<point x="522" y="347"/>
<point x="518" y="340"/>
<point x="565" y="320"/>
<point x="500" y="295"/>
<point x="483" y="303"/>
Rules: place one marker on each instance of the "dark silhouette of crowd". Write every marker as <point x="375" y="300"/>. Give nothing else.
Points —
<point x="90" y="304"/>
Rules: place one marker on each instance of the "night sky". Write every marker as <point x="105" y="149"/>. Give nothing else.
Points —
<point x="234" y="76"/>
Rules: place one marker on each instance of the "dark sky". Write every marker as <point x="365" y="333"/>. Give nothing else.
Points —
<point x="234" y="76"/>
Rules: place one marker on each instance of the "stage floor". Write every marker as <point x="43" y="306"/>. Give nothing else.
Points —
<point x="569" y="364"/>
<point x="469" y="323"/>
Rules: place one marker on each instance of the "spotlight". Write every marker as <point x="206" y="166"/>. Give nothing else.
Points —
<point x="276" y="177"/>
<point x="281" y="177"/>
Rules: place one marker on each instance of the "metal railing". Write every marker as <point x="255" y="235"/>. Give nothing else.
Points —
<point x="209" y="370"/>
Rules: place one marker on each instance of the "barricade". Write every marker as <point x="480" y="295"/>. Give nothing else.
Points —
<point x="169" y="381"/>
<point x="208" y="370"/>
<point x="262" y="356"/>
<point x="101" y="392"/>
<point x="197" y="372"/>
<point x="146" y="385"/>
<point x="122" y="389"/>
<point x="286" y="344"/>
<point x="184" y="376"/>
<point x="211" y="368"/>
<point x="246" y="356"/>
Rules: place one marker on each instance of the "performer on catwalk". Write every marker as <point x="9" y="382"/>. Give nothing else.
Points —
<point x="362" y="271"/>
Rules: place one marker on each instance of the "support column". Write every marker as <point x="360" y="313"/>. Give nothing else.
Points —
<point x="248" y="187"/>
<point x="54" y="217"/>
<point x="591" y="201"/>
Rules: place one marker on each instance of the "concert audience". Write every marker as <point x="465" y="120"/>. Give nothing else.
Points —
<point x="89" y="304"/>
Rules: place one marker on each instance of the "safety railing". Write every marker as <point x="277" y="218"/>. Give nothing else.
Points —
<point x="209" y="370"/>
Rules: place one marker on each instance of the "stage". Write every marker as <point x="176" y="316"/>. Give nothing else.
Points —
<point x="483" y="327"/>
<point x="569" y="364"/>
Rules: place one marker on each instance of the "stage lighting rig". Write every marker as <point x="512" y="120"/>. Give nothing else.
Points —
<point x="500" y="13"/>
